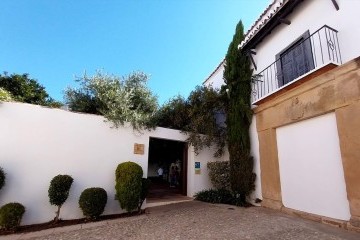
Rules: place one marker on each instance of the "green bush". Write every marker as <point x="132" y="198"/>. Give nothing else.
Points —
<point x="145" y="185"/>
<point x="10" y="215"/>
<point x="59" y="191"/>
<point x="219" y="173"/>
<point x="128" y="177"/>
<point x="5" y="95"/>
<point x="2" y="178"/>
<point x="215" y="196"/>
<point x="92" y="202"/>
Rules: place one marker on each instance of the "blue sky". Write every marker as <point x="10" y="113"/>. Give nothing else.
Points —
<point x="179" y="43"/>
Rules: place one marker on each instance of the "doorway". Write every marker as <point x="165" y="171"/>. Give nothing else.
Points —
<point x="171" y="158"/>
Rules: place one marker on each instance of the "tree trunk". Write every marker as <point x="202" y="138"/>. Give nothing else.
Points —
<point x="57" y="214"/>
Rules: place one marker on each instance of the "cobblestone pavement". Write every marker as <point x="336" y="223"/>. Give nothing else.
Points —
<point x="197" y="220"/>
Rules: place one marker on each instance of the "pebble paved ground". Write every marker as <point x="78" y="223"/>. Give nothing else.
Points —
<point x="197" y="220"/>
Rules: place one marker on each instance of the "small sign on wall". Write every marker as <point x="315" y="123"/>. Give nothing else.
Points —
<point x="139" y="148"/>
<point x="197" y="168"/>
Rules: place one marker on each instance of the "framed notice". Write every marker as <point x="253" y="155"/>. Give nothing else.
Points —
<point x="139" y="148"/>
<point x="197" y="168"/>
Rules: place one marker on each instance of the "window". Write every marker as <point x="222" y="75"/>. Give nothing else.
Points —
<point x="295" y="60"/>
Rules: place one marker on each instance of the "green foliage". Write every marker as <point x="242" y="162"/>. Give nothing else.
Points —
<point x="59" y="191"/>
<point x="2" y="178"/>
<point x="145" y="186"/>
<point x="119" y="99"/>
<point x="92" y="202"/>
<point x="10" y="215"/>
<point x="5" y="95"/>
<point x="215" y="196"/>
<point x="173" y="114"/>
<point x="24" y="89"/>
<point x="128" y="177"/>
<point x="219" y="173"/>
<point x="198" y="116"/>
<point x="238" y="78"/>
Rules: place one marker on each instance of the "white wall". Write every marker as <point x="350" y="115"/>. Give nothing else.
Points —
<point x="38" y="143"/>
<point x="312" y="15"/>
<point x="311" y="171"/>
<point x="255" y="152"/>
<point x="216" y="80"/>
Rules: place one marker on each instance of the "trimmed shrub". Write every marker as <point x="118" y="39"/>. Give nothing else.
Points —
<point x="128" y="177"/>
<point x="11" y="215"/>
<point x="92" y="202"/>
<point x="145" y="186"/>
<point x="219" y="173"/>
<point x="2" y="178"/>
<point x="59" y="191"/>
<point x="216" y="196"/>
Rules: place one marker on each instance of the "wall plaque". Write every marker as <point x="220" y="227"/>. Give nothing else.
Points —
<point x="139" y="148"/>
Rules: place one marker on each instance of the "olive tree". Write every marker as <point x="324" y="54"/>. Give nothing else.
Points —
<point x="119" y="99"/>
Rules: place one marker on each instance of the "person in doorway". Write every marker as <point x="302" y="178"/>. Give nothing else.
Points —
<point x="172" y="176"/>
<point x="177" y="176"/>
<point x="160" y="173"/>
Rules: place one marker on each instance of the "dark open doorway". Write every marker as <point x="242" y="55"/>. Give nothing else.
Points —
<point x="171" y="157"/>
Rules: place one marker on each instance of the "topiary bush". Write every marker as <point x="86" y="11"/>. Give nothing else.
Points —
<point x="145" y="186"/>
<point x="128" y="177"/>
<point x="219" y="173"/>
<point x="2" y="178"/>
<point x="11" y="215"/>
<point x="92" y="202"/>
<point x="59" y="191"/>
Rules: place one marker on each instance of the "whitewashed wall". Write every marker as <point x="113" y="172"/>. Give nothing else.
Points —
<point x="311" y="171"/>
<point x="38" y="143"/>
<point x="217" y="79"/>
<point x="312" y="15"/>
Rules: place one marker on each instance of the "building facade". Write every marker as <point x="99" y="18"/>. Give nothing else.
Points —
<point x="306" y="103"/>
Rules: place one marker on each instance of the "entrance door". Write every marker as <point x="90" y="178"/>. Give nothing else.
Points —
<point x="184" y="172"/>
<point x="171" y="157"/>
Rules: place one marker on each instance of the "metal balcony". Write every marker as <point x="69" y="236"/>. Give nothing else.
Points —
<point x="307" y="54"/>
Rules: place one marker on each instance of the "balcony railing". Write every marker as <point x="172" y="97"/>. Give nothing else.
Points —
<point x="308" y="53"/>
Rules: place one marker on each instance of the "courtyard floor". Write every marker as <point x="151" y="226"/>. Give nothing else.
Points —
<point x="198" y="220"/>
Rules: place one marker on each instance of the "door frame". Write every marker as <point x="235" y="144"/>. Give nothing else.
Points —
<point x="308" y="55"/>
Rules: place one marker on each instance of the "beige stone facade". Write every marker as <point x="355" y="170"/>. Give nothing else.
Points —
<point x="335" y="90"/>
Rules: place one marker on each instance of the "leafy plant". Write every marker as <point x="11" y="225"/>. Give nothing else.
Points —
<point x="238" y="79"/>
<point x="219" y="173"/>
<point x="59" y="191"/>
<point x="145" y="185"/>
<point x="119" y="99"/>
<point x="5" y="95"/>
<point x="11" y="215"/>
<point x="215" y="196"/>
<point x="24" y="89"/>
<point x="128" y="177"/>
<point x="2" y="178"/>
<point x="92" y="202"/>
<point x="200" y="116"/>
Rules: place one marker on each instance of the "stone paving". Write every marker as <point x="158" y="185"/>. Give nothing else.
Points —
<point x="198" y="220"/>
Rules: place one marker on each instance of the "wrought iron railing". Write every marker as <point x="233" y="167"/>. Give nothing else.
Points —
<point x="305" y="55"/>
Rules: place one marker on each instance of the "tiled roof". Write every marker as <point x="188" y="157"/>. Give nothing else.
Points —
<point x="261" y="21"/>
<point x="264" y="18"/>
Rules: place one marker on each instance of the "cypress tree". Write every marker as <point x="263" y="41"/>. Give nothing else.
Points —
<point x="238" y="76"/>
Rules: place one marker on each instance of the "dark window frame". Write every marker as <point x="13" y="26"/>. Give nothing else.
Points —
<point x="308" y="54"/>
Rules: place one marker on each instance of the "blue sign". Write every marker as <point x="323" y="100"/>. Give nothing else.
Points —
<point x="197" y="164"/>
